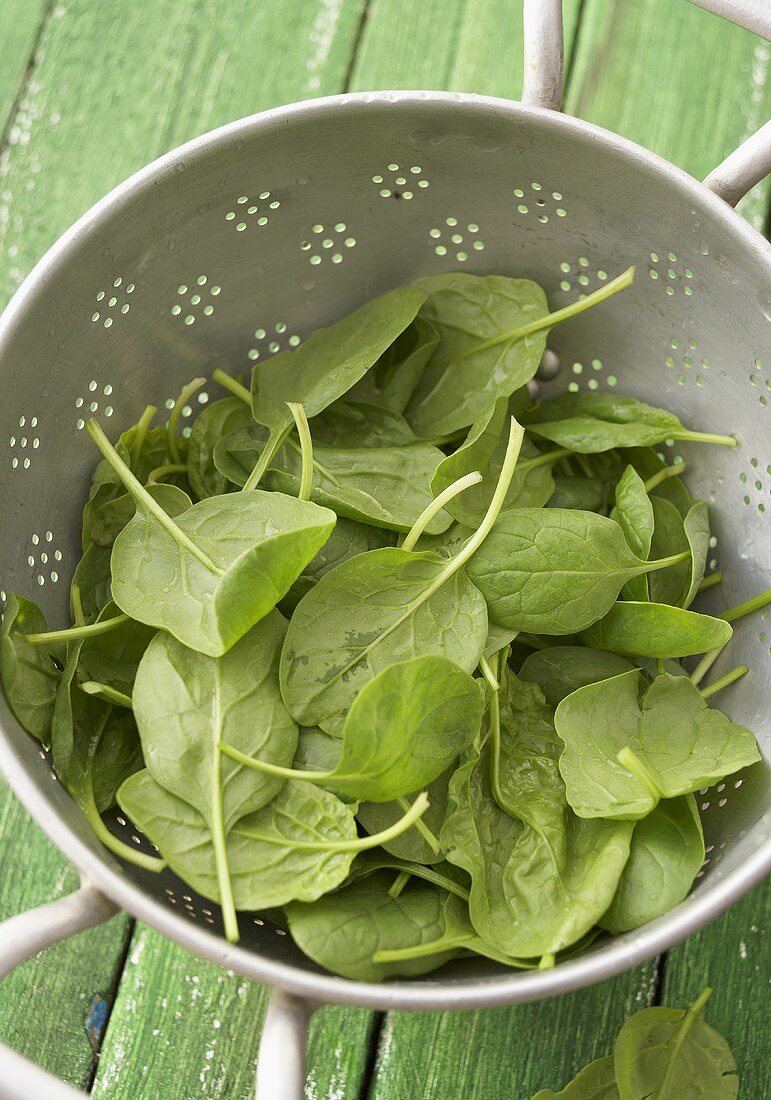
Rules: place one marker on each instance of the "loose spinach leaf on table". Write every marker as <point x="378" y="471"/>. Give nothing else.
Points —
<point x="326" y="365"/>
<point x="30" y="673"/>
<point x="590" y="422"/>
<point x="666" y="854"/>
<point x="343" y="931"/>
<point x="678" y="742"/>
<point x="656" y="630"/>
<point x="391" y="382"/>
<point x="542" y="878"/>
<point x="263" y="851"/>
<point x="208" y="575"/>
<point x="597" y="1081"/>
<point x="210" y="425"/>
<point x="666" y="1052"/>
<point x="553" y="571"/>
<point x="660" y="1054"/>
<point x="386" y="486"/>
<point x="560" y="670"/>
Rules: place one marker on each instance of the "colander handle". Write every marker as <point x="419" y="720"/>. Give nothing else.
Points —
<point x="23" y="936"/>
<point x="281" y="1059"/>
<point x="543" y="83"/>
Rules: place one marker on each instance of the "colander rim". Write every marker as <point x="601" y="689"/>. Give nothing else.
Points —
<point x="620" y="953"/>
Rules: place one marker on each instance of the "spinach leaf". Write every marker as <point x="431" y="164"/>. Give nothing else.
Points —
<point x="669" y="538"/>
<point x="211" y="573"/>
<point x="348" y="539"/>
<point x="560" y="670"/>
<point x="93" y="579"/>
<point x="597" y="1081"/>
<point x="666" y="854"/>
<point x="633" y="512"/>
<point x="391" y="382"/>
<point x="410" y="845"/>
<point x="441" y="874"/>
<point x="697" y="532"/>
<point x="588" y="422"/>
<point x="142" y="448"/>
<point x="30" y="673"/>
<point x="386" y="486"/>
<point x="186" y="703"/>
<point x="110" y="518"/>
<point x="380" y="608"/>
<point x="656" y="630"/>
<point x="562" y="872"/>
<point x="673" y="742"/>
<point x="405" y="726"/>
<point x="484" y="450"/>
<point x="317" y="751"/>
<point x="212" y="423"/>
<point x="356" y="424"/>
<point x="263" y="851"/>
<point x="458" y="934"/>
<point x="663" y="1052"/>
<point x="326" y="365"/>
<point x="449" y="543"/>
<point x="553" y="571"/>
<point x="651" y="466"/>
<point x="368" y="613"/>
<point x="584" y="493"/>
<point x="342" y="931"/>
<point x="492" y="334"/>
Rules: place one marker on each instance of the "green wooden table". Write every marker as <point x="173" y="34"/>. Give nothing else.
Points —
<point x="90" y="90"/>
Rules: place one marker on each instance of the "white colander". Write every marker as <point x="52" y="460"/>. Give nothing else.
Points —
<point x="243" y="241"/>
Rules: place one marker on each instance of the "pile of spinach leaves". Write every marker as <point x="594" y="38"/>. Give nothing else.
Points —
<point x="387" y="643"/>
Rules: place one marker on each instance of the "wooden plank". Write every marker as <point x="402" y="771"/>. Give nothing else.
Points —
<point x="44" y="1004"/>
<point x="504" y="1053"/>
<point x="183" y="1027"/>
<point x="655" y="71"/>
<point x="732" y="956"/>
<point x="74" y="137"/>
<point x="21" y="21"/>
<point x="456" y="46"/>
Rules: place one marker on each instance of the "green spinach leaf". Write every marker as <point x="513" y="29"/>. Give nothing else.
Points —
<point x="211" y="573"/>
<point x="677" y="744"/>
<point x="348" y="424"/>
<point x="665" y="1052"/>
<point x="391" y="382"/>
<point x="410" y="845"/>
<point x="666" y="854"/>
<point x="560" y="670"/>
<point x="30" y="673"/>
<point x="597" y="1081"/>
<point x="589" y="422"/>
<point x="210" y="425"/>
<point x="553" y="571"/>
<point x="656" y="630"/>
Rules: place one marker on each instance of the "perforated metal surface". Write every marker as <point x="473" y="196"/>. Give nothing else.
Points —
<point x="243" y="243"/>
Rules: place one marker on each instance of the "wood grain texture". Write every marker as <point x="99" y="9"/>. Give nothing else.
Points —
<point x="45" y="1003"/>
<point x="676" y="79"/>
<point x="504" y="1053"/>
<point x="183" y="1027"/>
<point x="454" y="45"/>
<point x="732" y="956"/>
<point x="20" y="21"/>
<point x="111" y="91"/>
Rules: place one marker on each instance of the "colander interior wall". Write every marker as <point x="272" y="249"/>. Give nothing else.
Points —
<point x="241" y="244"/>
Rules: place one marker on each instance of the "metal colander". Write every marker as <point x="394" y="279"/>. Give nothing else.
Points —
<point x="243" y="242"/>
